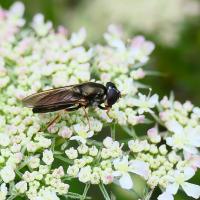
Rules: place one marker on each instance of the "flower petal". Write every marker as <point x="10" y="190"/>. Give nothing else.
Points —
<point x="190" y="149"/>
<point x="139" y="167"/>
<point x="116" y="173"/>
<point x="191" y="190"/>
<point x="174" y="126"/>
<point x="125" y="181"/>
<point x="78" y="138"/>
<point x="170" y="141"/>
<point x="189" y="173"/>
<point x="153" y="100"/>
<point x="165" y="196"/>
<point x="90" y="134"/>
<point x="172" y="189"/>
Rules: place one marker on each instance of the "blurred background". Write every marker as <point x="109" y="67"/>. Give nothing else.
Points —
<point x="173" y="25"/>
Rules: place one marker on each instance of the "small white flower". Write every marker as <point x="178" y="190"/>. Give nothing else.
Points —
<point x="17" y="9"/>
<point x="138" y="74"/>
<point x="79" y="37"/>
<point x="40" y="27"/>
<point x="173" y="157"/>
<point x="3" y="191"/>
<point x="73" y="170"/>
<point x="7" y="174"/>
<point x="71" y="153"/>
<point x="48" y="157"/>
<point x="34" y="162"/>
<point x="62" y="188"/>
<point x="163" y="149"/>
<point x="106" y="164"/>
<point x="186" y="138"/>
<point x="137" y="146"/>
<point x="21" y="187"/>
<point x="96" y="125"/>
<point x="180" y="179"/>
<point x="123" y="166"/>
<point x="83" y="133"/>
<point x="84" y="175"/>
<point x="145" y="103"/>
<point x="193" y="161"/>
<point x="108" y="142"/>
<point x="59" y="79"/>
<point x="31" y="146"/>
<point x="65" y="132"/>
<point x="82" y="149"/>
<point x="44" y="142"/>
<point x="107" y="176"/>
<point x="4" y="139"/>
<point x="59" y="172"/>
<point x="47" y="195"/>
<point x="165" y="196"/>
<point x="93" y="151"/>
<point x="105" y="153"/>
<point x="28" y="177"/>
<point x="166" y="103"/>
<point x="44" y="169"/>
<point x="154" y="135"/>
<point x="95" y="178"/>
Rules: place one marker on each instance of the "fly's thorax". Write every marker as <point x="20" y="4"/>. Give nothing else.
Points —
<point x="97" y="100"/>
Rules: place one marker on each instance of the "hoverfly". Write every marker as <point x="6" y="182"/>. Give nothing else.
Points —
<point x="73" y="97"/>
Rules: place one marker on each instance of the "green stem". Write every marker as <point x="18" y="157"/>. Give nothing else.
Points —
<point x="104" y="192"/>
<point x="18" y="173"/>
<point x="93" y="142"/>
<point x="113" y="131"/>
<point x="157" y="119"/>
<point x="148" y="197"/>
<point x="87" y="186"/>
<point x="12" y="197"/>
<point x="66" y="160"/>
<point x="72" y="195"/>
<point x="113" y="197"/>
<point x="130" y="132"/>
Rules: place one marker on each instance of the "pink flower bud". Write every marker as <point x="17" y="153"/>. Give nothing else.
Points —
<point x="65" y="132"/>
<point x="140" y="119"/>
<point x="137" y="41"/>
<point x="153" y="135"/>
<point x="62" y="30"/>
<point x="152" y="132"/>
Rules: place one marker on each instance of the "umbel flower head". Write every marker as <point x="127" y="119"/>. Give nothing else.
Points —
<point x="38" y="162"/>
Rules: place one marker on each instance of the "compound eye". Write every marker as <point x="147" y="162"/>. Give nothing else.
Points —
<point x="112" y="96"/>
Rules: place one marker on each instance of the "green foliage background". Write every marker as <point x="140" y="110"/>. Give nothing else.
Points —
<point x="179" y="63"/>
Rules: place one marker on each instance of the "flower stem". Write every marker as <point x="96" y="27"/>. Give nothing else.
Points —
<point x="87" y="186"/>
<point x="148" y="197"/>
<point x="113" y="131"/>
<point x="72" y="195"/>
<point x="104" y="192"/>
<point x="66" y="160"/>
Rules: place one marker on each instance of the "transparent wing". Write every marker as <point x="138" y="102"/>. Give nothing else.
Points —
<point x="54" y="97"/>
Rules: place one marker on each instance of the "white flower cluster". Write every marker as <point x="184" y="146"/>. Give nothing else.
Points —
<point x="42" y="183"/>
<point x="110" y="165"/>
<point x="36" y="58"/>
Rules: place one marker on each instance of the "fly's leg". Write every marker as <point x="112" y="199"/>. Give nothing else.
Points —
<point x="53" y="121"/>
<point x="58" y="115"/>
<point x="107" y="108"/>
<point x="86" y="115"/>
<point x="73" y="108"/>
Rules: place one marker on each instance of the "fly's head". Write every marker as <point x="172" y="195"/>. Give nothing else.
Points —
<point x="113" y="94"/>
